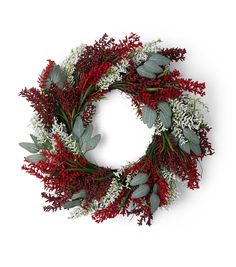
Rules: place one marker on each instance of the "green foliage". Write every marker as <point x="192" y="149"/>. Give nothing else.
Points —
<point x="149" y="116"/>
<point x="39" y="146"/>
<point x="82" y="194"/>
<point x="195" y="148"/>
<point x="35" y="158"/>
<point x="138" y="179"/>
<point x="165" y="119"/>
<point x="71" y="204"/>
<point x="152" y="66"/>
<point x="78" y="128"/>
<point x="152" y="89"/>
<point x="154" y="201"/>
<point x="93" y="142"/>
<point x="30" y="147"/>
<point x="165" y="108"/>
<point x="159" y="59"/>
<point x="185" y="147"/>
<point x="58" y="76"/>
<point x="191" y="135"/>
<point x="141" y="191"/>
<point x="155" y="188"/>
<point x="142" y="71"/>
<point x="86" y="136"/>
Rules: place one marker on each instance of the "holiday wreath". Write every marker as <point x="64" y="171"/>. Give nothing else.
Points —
<point x="64" y="105"/>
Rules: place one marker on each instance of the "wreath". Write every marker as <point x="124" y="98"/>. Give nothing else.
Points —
<point x="64" y="104"/>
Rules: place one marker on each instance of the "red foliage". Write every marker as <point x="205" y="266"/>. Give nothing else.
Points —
<point x="97" y="96"/>
<point x="206" y="146"/>
<point x="67" y="99"/>
<point x="174" y="54"/>
<point x="92" y="76"/>
<point x="142" y="211"/>
<point x="45" y="74"/>
<point x="191" y="86"/>
<point x="88" y="113"/>
<point x="107" y="50"/>
<point x="184" y="166"/>
<point x="111" y="211"/>
<point x="143" y="165"/>
<point x="170" y="86"/>
<point x="137" y="86"/>
<point x="60" y="183"/>
<point x="162" y="185"/>
<point x="42" y="104"/>
<point x="147" y="98"/>
<point x="137" y="105"/>
<point x="97" y="188"/>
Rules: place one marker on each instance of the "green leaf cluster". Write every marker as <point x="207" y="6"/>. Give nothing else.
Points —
<point x="84" y="135"/>
<point x="33" y="148"/>
<point x="153" y="66"/>
<point x="192" y="144"/>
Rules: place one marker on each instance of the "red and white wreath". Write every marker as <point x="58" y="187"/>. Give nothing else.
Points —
<point x="64" y="104"/>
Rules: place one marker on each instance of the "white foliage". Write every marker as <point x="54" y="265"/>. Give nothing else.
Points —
<point x="187" y="112"/>
<point x="159" y="127"/>
<point x="171" y="178"/>
<point x="141" y="53"/>
<point x="40" y="132"/>
<point x="112" y="193"/>
<point x="70" y="62"/>
<point x="168" y="175"/>
<point x="43" y="135"/>
<point x="67" y="140"/>
<point x="114" y="74"/>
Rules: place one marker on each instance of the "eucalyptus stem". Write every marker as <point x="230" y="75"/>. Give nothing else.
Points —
<point x="109" y="175"/>
<point x="168" y="141"/>
<point x="123" y="201"/>
<point x="81" y="169"/>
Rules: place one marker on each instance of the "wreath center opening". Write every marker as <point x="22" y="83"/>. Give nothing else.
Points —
<point x="124" y="137"/>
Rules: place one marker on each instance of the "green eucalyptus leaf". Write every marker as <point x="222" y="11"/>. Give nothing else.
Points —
<point x="71" y="204"/>
<point x="155" y="188"/>
<point x="165" y="108"/>
<point x="159" y="59"/>
<point x="152" y="66"/>
<point x="140" y="178"/>
<point x="35" y="158"/>
<point x="86" y="136"/>
<point x="82" y="194"/>
<point x="31" y="147"/>
<point x="191" y="135"/>
<point x="141" y="191"/>
<point x="131" y="206"/>
<point x="165" y="119"/>
<point x="154" y="201"/>
<point x="93" y="142"/>
<point x="58" y="76"/>
<point x="78" y="127"/>
<point x="149" y="116"/>
<point x="185" y="147"/>
<point x="35" y="140"/>
<point x="142" y="71"/>
<point x="196" y="148"/>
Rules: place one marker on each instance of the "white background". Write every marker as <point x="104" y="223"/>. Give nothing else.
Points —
<point x="199" y="230"/>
